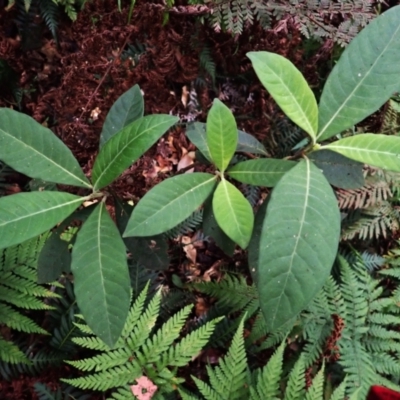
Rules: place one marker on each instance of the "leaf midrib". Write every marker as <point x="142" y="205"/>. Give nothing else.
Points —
<point x="81" y="199"/>
<point x="47" y="158"/>
<point x="191" y="190"/>
<point x="115" y="158"/>
<point x="298" y="235"/>
<point x="328" y="123"/>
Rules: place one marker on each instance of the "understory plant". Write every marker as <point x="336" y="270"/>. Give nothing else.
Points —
<point x="293" y="239"/>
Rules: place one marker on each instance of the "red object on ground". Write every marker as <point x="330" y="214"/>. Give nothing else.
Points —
<point x="381" y="393"/>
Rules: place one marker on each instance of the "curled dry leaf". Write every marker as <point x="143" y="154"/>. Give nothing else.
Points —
<point x="145" y="388"/>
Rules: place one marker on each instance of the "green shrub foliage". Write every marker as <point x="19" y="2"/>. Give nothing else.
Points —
<point x="293" y="238"/>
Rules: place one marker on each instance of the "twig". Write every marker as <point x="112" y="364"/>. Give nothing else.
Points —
<point x="104" y="77"/>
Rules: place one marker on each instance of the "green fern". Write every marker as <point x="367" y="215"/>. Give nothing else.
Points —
<point x="142" y="350"/>
<point x="19" y="290"/>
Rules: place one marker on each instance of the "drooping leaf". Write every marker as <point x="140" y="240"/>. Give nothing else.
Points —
<point x="260" y="172"/>
<point x="54" y="259"/>
<point x="287" y="86"/>
<point x="26" y="215"/>
<point x="101" y="278"/>
<point x="249" y="144"/>
<point x="151" y="252"/>
<point x="211" y="228"/>
<point x="169" y="203"/>
<point x="36" y="151"/>
<point x="378" y="150"/>
<point x="233" y="213"/>
<point x="222" y="134"/>
<point x="366" y="75"/>
<point x="128" y="108"/>
<point x="294" y="243"/>
<point x="122" y="149"/>
<point x="340" y="171"/>
<point x="196" y="132"/>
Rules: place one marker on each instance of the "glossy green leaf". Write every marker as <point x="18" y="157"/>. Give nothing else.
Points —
<point x="121" y="150"/>
<point x="26" y="215"/>
<point x="294" y="243"/>
<point x="212" y="229"/>
<point x="101" y="277"/>
<point x="287" y="86"/>
<point x="149" y="252"/>
<point x="378" y="150"/>
<point x="339" y="170"/>
<point x="366" y="75"/>
<point x="261" y="172"/>
<point x="169" y="203"/>
<point x="54" y="259"/>
<point x="233" y="213"/>
<point x="222" y="134"/>
<point x="128" y="108"/>
<point x="196" y="132"/>
<point x="249" y="144"/>
<point x="36" y="151"/>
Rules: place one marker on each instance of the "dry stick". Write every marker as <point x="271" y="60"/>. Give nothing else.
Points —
<point x="104" y="77"/>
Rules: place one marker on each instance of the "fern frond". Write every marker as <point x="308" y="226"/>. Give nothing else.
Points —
<point x="316" y="391"/>
<point x="141" y="351"/>
<point x="295" y="388"/>
<point x="268" y="379"/>
<point x="228" y="379"/>
<point x="190" y="224"/>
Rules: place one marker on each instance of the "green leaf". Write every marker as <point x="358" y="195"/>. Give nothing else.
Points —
<point x="249" y="144"/>
<point x="101" y="278"/>
<point x="35" y="151"/>
<point x="366" y="75"/>
<point x="121" y="150"/>
<point x="196" y="132"/>
<point x="26" y="215"/>
<point x="233" y="213"/>
<point x="261" y="172"/>
<point x="287" y="86"/>
<point x="340" y="171"/>
<point x="294" y="243"/>
<point x="378" y="150"/>
<point x="169" y="203"/>
<point x="222" y="134"/>
<point x="150" y="252"/>
<point x="128" y="108"/>
<point x="211" y="228"/>
<point x="54" y="259"/>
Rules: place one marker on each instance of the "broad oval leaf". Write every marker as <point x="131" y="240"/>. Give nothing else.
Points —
<point x="196" y="132"/>
<point x="36" y="151"/>
<point x="378" y="150"/>
<point x="222" y="134"/>
<point x="366" y="75"/>
<point x="261" y="172"/>
<point x="340" y="171"/>
<point x="287" y="86"/>
<point x="249" y="144"/>
<point x="128" y="108"/>
<point x="169" y="203"/>
<point x="233" y="213"/>
<point x="122" y="149"/>
<point x="101" y="277"/>
<point x="212" y="229"/>
<point x="294" y="243"/>
<point x="26" y="215"/>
